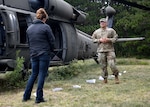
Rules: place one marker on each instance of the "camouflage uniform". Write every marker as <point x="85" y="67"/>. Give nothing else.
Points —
<point x="106" y="52"/>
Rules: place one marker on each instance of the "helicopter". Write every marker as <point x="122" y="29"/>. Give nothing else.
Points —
<point x="70" y="42"/>
<point x="17" y="15"/>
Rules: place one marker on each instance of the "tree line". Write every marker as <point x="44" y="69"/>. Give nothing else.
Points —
<point x="128" y="22"/>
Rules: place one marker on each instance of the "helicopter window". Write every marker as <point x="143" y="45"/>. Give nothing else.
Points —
<point x="23" y="20"/>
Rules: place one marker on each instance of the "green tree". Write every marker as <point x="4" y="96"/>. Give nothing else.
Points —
<point x="128" y="22"/>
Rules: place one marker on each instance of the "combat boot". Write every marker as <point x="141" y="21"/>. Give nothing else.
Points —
<point x="105" y="80"/>
<point x="116" y="79"/>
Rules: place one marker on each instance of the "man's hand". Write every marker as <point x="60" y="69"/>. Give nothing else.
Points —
<point x="104" y="40"/>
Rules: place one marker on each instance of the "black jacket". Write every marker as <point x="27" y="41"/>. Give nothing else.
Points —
<point x="40" y="38"/>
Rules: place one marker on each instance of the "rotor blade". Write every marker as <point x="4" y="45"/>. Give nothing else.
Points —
<point x="130" y="39"/>
<point x="133" y="4"/>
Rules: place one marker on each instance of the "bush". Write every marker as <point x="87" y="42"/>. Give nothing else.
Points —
<point x="14" y="79"/>
<point x="65" y="72"/>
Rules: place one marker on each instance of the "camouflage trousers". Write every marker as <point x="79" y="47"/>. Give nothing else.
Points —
<point x="107" y="59"/>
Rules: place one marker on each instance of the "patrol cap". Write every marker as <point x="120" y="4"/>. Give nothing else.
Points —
<point x="103" y="20"/>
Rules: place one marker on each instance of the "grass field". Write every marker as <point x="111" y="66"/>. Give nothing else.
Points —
<point x="133" y="90"/>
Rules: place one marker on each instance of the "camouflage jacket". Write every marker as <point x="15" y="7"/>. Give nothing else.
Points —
<point x="107" y="33"/>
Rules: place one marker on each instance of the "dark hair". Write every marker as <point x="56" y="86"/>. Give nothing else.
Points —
<point x="41" y="13"/>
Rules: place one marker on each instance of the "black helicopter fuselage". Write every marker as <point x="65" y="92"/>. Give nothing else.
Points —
<point x="17" y="15"/>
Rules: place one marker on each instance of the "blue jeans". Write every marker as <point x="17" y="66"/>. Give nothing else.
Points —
<point x="40" y="66"/>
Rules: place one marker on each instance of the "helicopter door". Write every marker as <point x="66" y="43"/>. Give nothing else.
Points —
<point x="12" y="28"/>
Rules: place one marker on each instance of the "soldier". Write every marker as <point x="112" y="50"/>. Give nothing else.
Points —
<point x="105" y="37"/>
